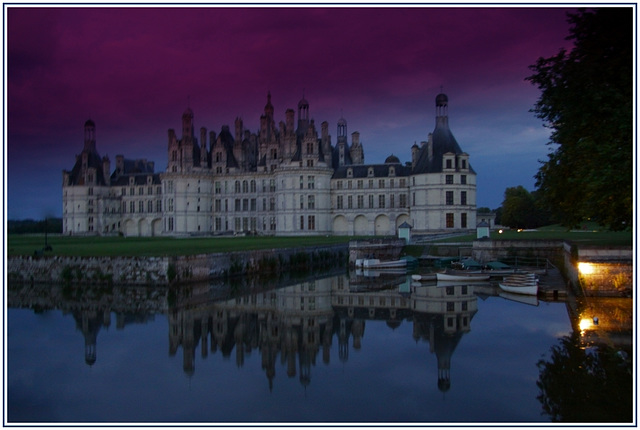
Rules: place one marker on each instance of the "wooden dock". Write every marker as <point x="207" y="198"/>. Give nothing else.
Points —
<point x="552" y="285"/>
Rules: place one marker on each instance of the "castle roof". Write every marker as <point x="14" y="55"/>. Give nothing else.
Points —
<point x="94" y="161"/>
<point x="442" y="142"/>
<point x="362" y="171"/>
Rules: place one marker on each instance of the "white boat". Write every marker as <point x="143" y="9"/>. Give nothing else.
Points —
<point x="527" y="289"/>
<point x="520" y="284"/>
<point x="461" y="277"/>
<point x="374" y="263"/>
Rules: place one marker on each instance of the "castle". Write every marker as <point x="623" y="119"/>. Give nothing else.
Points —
<point x="285" y="179"/>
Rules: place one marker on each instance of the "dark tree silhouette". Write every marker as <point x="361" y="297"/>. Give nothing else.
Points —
<point x="586" y="99"/>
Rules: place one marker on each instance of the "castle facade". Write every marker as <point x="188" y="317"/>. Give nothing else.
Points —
<point x="284" y="179"/>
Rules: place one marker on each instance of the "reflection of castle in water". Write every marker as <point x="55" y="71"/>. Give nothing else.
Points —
<point x="296" y="324"/>
<point x="293" y="325"/>
<point x="91" y="308"/>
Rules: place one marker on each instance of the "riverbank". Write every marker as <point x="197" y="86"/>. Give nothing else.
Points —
<point x="169" y="270"/>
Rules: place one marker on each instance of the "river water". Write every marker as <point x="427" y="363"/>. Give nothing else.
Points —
<point x="326" y="349"/>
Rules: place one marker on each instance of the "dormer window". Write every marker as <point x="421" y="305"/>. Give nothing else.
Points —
<point x="349" y="173"/>
<point x="449" y="163"/>
<point x="392" y="171"/>
<point x="370" y="172"/>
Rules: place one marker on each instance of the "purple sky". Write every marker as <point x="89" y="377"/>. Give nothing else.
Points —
<point x="134" y="71"/>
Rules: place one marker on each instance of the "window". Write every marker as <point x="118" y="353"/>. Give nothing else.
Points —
<point x="403" y="182"/>
<point x="218" y="188"/>
<point x="141" y="206"/>
<point x="132" y="206"/>
<point x="463" y="197"/>
<point x="392" y="201"/>
<point x="449" y="220"/>
<point x="150" y="206"/>
<point x="301" y="202"/>
<point x="311" y="182"/>
<point x="381" y="201"/>
<point x="158" y="205"/>
<point x="449" y="179"/>
<point x="463" y="220"/>
<point x="311" y="222"/>
<point x="370" y="172"/>
<point x="301" y="182"/>
<point x="237" y="205"/>
<point x="360" y="202"/>
<point x="463" y="164"/>
<point x="403" y="201"/>
<point x="463" y="179"/>
<point x="381" y="183"/>
<point x="309" y="163"/>
<point x="170" y="226"/>
<point x="253" y="186"/>
<point x="449" y="198"/>
<point x="350" y="202"/>
<point x="449" y="164"/>
<point x="360" y="184"/>
<point x="311" y="202"/>
<point x="301" y="222"/>
<point x="237" y="186"/>
<point x="245" y="187"/>
<point x="339" y="202"/>
<point x="370" y="201"/>
<point x="339" y="185"/>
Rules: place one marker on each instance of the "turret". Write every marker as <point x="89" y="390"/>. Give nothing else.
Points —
<point x="106" y="168"/>
<point x="239" y="129"/>
<point x="203" y="147"/>
<point x="415" y="150"/>
<point x="187" y="124"/>
<point x="89" y="136"/>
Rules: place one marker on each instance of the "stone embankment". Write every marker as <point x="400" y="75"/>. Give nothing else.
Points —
<point x="170" y="270"/>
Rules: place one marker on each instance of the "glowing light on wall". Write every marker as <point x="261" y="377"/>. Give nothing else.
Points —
<point x="585" y="268"/>
<point x="585" y="323"/>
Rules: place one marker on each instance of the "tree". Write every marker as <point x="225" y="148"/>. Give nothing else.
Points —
<point x="586" y="100"/>
<point x="519" y="209"/>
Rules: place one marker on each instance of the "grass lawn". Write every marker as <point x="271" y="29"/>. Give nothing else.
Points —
<point x="156" y="246"/>
<point x="591" y="235"/>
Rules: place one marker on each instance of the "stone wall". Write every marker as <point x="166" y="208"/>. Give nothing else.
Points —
<point x="488" y="250"/>
<point x="171" y="270"/>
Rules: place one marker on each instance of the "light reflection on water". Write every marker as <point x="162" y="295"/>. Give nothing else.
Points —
<point x="330" y="349"/>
